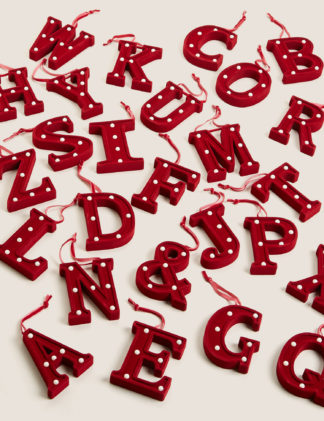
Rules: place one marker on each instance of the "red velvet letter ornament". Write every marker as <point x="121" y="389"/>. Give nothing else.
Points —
<point x="218" y="156"/>
<point x="310" y="386"/>
<point x="313" y="284"/>
<point x="113" y="135"/>
<point x="262" y="247"/>
<point x="279" y="181"/>
<point x="78" y="149"/>
<point x="169" y="258"/>
<point x="76" y="91"/>
<point x="48" y="355"/>
<point x="215" y="337"/>
<point x="227" y="246"/>
<point x="174" y="118"/>
<point x="98" y="240"/>
<point x="13" y="250"/>
<point x="132" y="61"/>
<point x="139" y="355"/>
<point x="20" y="197"/>
<point x="296" y="59"/>
<point x="60" y="42"/>
<point x="103" y="295"/>
<point x="239" y="71"/>
<point x="20" y="92"/>
<point x="158" y="184"/>
<point x="199" y="37"/>
<point x="304" y="126"/>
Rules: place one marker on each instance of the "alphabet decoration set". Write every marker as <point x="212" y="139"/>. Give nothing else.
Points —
<point x="217" y="148"/>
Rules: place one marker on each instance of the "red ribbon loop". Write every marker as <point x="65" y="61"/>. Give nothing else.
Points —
<point x="128" y="110"/>
<point x="17" y="133"/>
<point x="252" y="202"/>
<point x="116" y="38"/>
<point x="244" y="186"/>
<point x="83" y="261"/>
<point x="213" y="119"/>
<point x="3" y="66"/>
<point x="94" y="187"/>
<point x="239" y="23"/>
<point x="3" y="149"/>
<point x="190" y="232"/>
<point x="283" y="28"/>
<point x="41" y="66"/>
<point x="148" y="310"/>
<point x="168" y="139"/>
<point x="61" y="209"/>
<point x="261" y="62"/>
<point x="34" y="312"/>
<point x="220" y="200"/>
<point x="222" y="292"/>
<point x="83" y="15"/>
<point x="202" y="89"/>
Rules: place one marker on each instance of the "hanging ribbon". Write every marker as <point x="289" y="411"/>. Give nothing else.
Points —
<point x="17" y="133"/>
<point x="3" y="66"/>
<point x="116" y="38"/>
<point x="283" y="28"/>
<point x="220" y="200"/>
<point x="261" y="62"/>
<point x="244" y="186"/>
<point x="252" y="202"/>
<point x="34" y="312"/>
<point x="41" y="66"/>
<point x="3" y="149"/>
<point x="190" y="232"/>
<point x="202" y="89"/>
<point x="148" y="310"/>
<point x="93" y="186"/>
<point x="168" y="139"/>
<point x="83" y="261"/>
<point x="61" y="209"/>
<point x="213" y="119"/>
<point x="128" y="110"/>
<point x="222" y="292"/>
<point x="239" y="23"/>
<point x="83" y="15"/>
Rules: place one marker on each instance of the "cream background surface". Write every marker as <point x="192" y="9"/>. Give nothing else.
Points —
<point x="199" y="389"/>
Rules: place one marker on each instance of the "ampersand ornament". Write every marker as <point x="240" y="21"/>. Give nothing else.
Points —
<point x="132" y="57"/>
<point x="76" y="90"/>
<point x="295" y="56"/>
<point x="310" y="385"/>
<point x="78" y="283"/>
<point x="114" y="140"/>
<point x="169" y="259"/>
<point x="20" y="196"/>
<point x="303" y="126"/>
<point x="226" y="245"/>
<point x="172" y="92"/>
<point x="139" y="355"/>
<point x="279" y="182"/>
<point x="199" y="37"/>
<point x="48" y="355"/>
<point x="259" y="71"/>
<point x="313" y="284"/>
<point x="60" y="42"/>
<point x="12" y="251"/>
<point x="221" y="322"/>
<point x="22" y="91"/>
<point x="218" y="156"/>
<point x="158" y="182"/>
